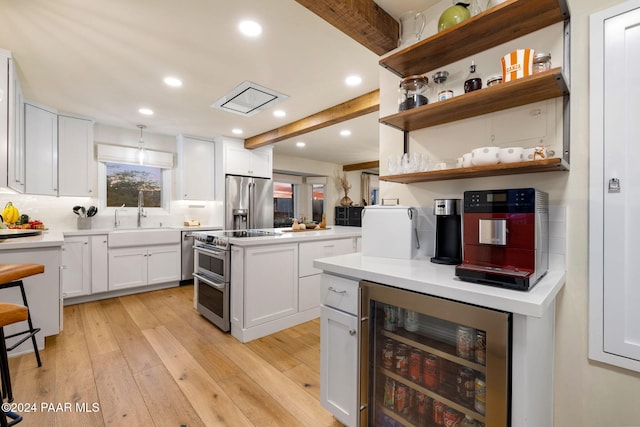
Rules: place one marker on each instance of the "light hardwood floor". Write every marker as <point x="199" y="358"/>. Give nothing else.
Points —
<point x="151" y="359"/>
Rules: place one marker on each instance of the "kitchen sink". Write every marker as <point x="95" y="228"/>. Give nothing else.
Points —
<point x="143" y="237"/>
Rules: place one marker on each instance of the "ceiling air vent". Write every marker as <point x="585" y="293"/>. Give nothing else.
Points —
<point x="248" y="99"/>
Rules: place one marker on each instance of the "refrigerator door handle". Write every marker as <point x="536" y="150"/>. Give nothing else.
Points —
<point x="250" y="214"/>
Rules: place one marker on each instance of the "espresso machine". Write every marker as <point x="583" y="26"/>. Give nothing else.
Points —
<point x="448" y="233"/>
<point x="506" y="237"/>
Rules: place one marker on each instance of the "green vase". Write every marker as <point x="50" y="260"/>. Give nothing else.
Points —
<point x="453" y="15"/>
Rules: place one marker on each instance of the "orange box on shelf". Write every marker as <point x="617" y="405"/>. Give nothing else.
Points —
<point x="517" y="64"/>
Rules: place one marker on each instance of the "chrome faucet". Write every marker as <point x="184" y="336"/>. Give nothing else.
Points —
<point x="141" y="212"/>
<point x="116" y="219"/>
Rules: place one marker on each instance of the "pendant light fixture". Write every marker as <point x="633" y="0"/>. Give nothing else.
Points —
<point x="141" y="152"/>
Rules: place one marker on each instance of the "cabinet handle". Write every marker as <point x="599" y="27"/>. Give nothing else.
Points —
<point x="352" y="332"/>
<point x="332" y="289"/>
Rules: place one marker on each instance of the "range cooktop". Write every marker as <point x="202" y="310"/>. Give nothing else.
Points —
<point x="248" y="233"/>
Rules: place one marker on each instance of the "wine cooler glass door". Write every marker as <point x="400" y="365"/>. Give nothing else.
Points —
<point x="428" y="361"/>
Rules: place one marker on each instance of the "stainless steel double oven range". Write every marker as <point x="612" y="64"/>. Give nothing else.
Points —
<point x="212" y="273"/>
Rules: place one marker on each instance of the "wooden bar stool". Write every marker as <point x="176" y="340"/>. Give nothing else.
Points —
<point x="9" y="314"/>
<point x="11" y="275"/>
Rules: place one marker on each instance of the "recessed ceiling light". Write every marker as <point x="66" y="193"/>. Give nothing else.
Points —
<point x="145" y="111"/>
<point x="237" y="131"/>
<point x="353" y="80"/>
<point x="250" y="28"/>
<point x="172" y="81"/>
<point x="279" y="113"/>
<point x="300" y="144"/>
<point x="345" y="132"/>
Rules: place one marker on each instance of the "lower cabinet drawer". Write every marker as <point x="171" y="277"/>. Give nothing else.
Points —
<point x="309" y="292"/>
<point x="340" y="293"/>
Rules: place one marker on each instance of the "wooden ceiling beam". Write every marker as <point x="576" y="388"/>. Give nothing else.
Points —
<point x="365" y="104"/>
<point x="362" y="20"/>
<point x="361" y="166"/>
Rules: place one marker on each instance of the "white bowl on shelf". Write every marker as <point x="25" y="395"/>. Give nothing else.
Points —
<point x="466" y="160"/>
<point x="485" y="156"/>
<point x="511" y="154"/>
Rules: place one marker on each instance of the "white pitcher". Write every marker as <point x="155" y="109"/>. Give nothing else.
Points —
<point x="411" y="27"/>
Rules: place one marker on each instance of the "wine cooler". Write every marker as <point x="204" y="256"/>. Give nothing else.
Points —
<point x="428" y="361"/>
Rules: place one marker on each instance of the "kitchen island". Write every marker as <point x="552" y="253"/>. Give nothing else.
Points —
<point x="533" y="325"/>
<point x="274" y="284"/>
<point x="43" y="290"/>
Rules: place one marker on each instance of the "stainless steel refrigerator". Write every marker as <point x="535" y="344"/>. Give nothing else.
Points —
<point x="248" y="203"/>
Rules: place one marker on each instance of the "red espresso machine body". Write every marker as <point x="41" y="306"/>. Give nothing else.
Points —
<point x="505" y="237"/>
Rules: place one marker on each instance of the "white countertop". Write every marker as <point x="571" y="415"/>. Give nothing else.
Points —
<point x="46" y="239"/>
<point x="95" y="231"/>
<point x="332" y="232"/>
<point x="423" y="276"/>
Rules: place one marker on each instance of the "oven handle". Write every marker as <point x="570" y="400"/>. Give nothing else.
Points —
<point x="210" y="252"/>
<point x="218" y="286"/>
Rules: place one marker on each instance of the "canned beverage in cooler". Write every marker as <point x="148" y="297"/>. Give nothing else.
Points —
<point x="451" y="417"/>
<point x="481" y="347"/>
<point x="390" y="318"/>
<point x="424" y="409"/>
<point x="388" y="354"/>
<point x="480" y="395"/>
<point x="412" y="404"/>
<point x="438" y="412"/>
<point x="402" y="360"/>
<point x="410" y="320"/>
<point x="466" y="385"/>
<point x="465" y="340"/>
<point x="389" y="393"/>
<point x="415" y="365"/>
<point x="431" y="371"/>
<point x="402" y="399"/>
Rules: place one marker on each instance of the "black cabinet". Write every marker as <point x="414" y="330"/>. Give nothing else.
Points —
<point x="349" y="215"/>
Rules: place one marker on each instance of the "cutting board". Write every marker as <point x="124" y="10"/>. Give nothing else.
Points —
<point x="291" y="230"/>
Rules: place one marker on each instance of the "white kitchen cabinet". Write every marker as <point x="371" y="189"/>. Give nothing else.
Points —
<point x="99" y="264"/>
<point x="614" y="235"/>
<point x="76" y="267"/>
<point x="41" y="150"/>
<point x="127" y="268"/>
<point x="139" y="266"/>
<point x="11" y="141"/>
<point x="309" y="276"/>
<point x="75" y="156"/>
<point x="5" y="81"/>
<point x="196" y="168"/>
<point x="163" y="264"/>
<point x="16" y="149"/>
<point x="339" y="349"/>
<point x="240" y="161"/>
<point x="270" y="283"/>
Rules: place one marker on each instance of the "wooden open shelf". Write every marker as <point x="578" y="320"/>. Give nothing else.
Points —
<point x="537" y="87"/>
<point x="497" y="25"/>
<point x="545" y="165"/>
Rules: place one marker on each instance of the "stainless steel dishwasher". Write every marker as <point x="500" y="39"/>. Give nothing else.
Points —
<point x="187" y="254"/>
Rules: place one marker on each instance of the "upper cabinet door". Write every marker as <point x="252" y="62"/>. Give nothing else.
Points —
<point x="196" y="165"/>
<point x="621" y="154"/>
<point x="41" y="150"/>
<point x="614" y="230"/>
<point x="240" y="161"/>
<point x="75" y="149"/>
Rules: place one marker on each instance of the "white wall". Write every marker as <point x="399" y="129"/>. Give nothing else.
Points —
<point x="586" y="393"/>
